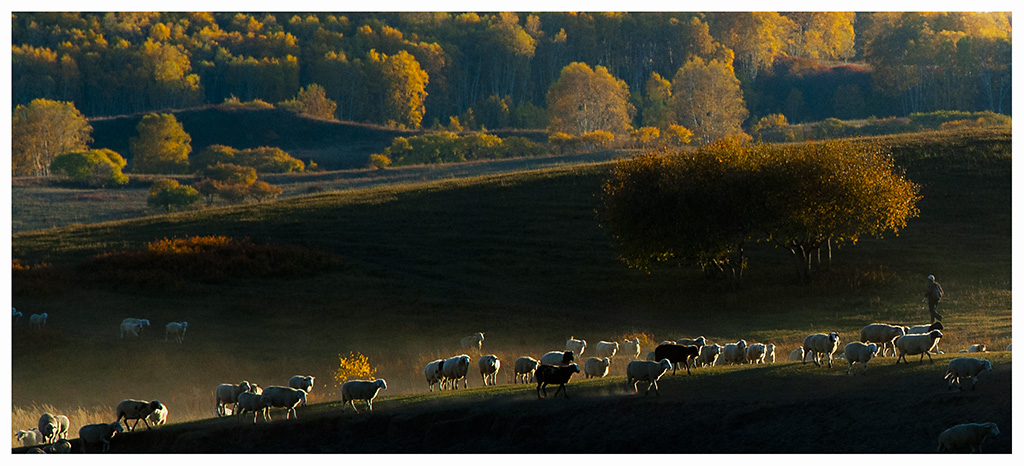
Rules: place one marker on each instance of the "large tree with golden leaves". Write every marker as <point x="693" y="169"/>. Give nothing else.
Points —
<point x="584" y="100"/>
<point x="42" y="130"/>
<point x="162" y="145"/>
<point x="707" y="99"/>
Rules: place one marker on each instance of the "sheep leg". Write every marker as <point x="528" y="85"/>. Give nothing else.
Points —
<point x="369" y="404"/>
<point x="146" y="421"/>
<point x="561" y="388"/>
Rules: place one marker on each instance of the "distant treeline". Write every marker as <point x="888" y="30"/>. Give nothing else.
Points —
<point x="494" y="69"/>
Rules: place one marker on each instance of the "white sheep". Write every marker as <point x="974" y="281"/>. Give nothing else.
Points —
<point x="978" y="348"/>
<point x="917" y="343"/>
<point x="228" y="394"/>
<point x="965" y="369"/>
<point x="99" y="433"/>
<point x="49" y="426"/>
<point x="631" y="348"/>
<point x="176" y="330"/>
<point x="63" y="426"/>
<point x="489" y="366"/>
<point x="361" y="390"/>
<point x="37" y="321"/>
<point x="820" y="345"/>
<point x="15" y="316"/>
<point x="883" y="334"/>
<point x="606" y="349"/>
<point x="454" y="369"/>
<point x="925" y="328"/>
<point x="132" y="327"/>
<point x="963" y="437"/>
<point x="648" y="371"/>
<point x="432" y="371"/>
<point x="136" y="409"/>
<point x="769" y="353"/>
<point x="159" y="416"/>
<point x="576" y="346"/>
<point x="557" y="358"/>
<point x="596" y="367"/>
<point x="525" y="367"/>
<point x="699" y="341"/>
<point x="472" y="341"/>
<point x="284" y="397"/>
<point x="859" y="352"/>
<point x="709" y="355"/>
<point x="30" y="437"/>
<point x="797" y="354"/>
<point x="249" y="402"/>
<point x="302" y="382"/>
<point x="734" y="353"/>
<point x="755" y="353"/>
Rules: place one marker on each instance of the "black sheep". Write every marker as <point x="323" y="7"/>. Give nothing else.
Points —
<point x="554" y="375"/>
<point x="677" y="354"/>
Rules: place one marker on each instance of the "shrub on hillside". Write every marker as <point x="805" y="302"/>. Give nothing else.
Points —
<point x="262" y="159"/>
<point x="448" y="147"/>
<point x="355" y="366"/>
<point x="170" y="194"/>
<point x="97" y="168"/>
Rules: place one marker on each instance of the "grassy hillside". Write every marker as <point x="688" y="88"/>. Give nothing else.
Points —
<point x="520" y="257"/>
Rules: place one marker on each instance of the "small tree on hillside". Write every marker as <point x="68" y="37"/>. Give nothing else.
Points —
<point x="97" y="167"/>
<point x="162" y="145"/>
<point x="312" y="102"/>
<point x="169" y="194"/>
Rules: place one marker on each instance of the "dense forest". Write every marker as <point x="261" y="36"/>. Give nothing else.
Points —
<point x="496" y="69"/>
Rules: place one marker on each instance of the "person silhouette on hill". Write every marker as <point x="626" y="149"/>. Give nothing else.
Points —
<point x="933" y="294"/>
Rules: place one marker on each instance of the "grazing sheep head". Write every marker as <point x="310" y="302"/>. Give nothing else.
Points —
<point x="833" y="337"/>
<point x="935" y="334"/>
<point x="935" y="326"/>
<point x="986" y="364"/>
<point x="873" y="348"/>
<point x="155" y="405"/>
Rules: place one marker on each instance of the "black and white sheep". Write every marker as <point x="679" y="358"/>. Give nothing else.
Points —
<point x="472" y="342"/>
<point x="859" y="352"/>
<point x="361" y="390"/>
<point x="175" y="330"/>
<point x="432" y="371"/>
<point x="302" y="382"/>
<point x="455" y="368"/>
<point x="576" y="346"/>
<point x="820" y="345"/>
<point x="709" y="355"/>
<point x="646" y="371"/>
<point x="558" y="358"/>
<point x="917" y="343"/>
<point x="606" y="349"/>
<point x="734" y="353"/>
<point x="37" y="321"/>
<point x="249" y="402"/>
<point x="99" y="433"/>
<point x="49" y="426"/>
<point x="228" y="394"/>
<point x="554" y="375"/>
<point x="960" y="369"/>
<point x="489" y="366"/>
<point x="883" y="335"/>
<point x="966" y="437"/>
<point x="677" y="354"/>
<point x="525" y="367"/>
<point x="137" y="410"/>
<point x="284" y="397"/>
<point x="699" y="341"/>
<point x="631" y="348"/>
<point x="596" y="367"/>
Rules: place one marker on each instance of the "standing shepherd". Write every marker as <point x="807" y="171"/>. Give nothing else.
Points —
<point x="933" y="294"/>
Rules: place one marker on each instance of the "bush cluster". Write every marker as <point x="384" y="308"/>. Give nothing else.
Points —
<point x="448" y="147"/>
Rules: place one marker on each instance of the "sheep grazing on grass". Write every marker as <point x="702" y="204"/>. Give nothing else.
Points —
<point x="859" y="352"/>
<point x="709" y="355"/>
<point x="284" y="397"/>
<point x="978" y="348"/>
<point x="175" y="330"/>
<point x="917" y="343"/>
<point x="361" y="390"/>
<point x="489" y="366"/>
<point x="37" y="321"/>
<point x="883" y="335"/>
<point x="302" y="382"/>
<point x="228" y="394"/>
<point x="734" y="353"/>
<point x="432" y="371"/>
<point x="631" y="348"/>
<point x="797" y="354"/>
<point x="960" y="369"/>
<point x="755" y="353"/>
<point x="925" y="328"/>
<point x="60" y="446"/>
<point x="30" y="437"/>
<point x="699" y="341"/>
<point x="137" y="410"/>
<point x="159" y="416"/>
<point x="249" y="402"/>
<point x="63" y="426"/>
<point x="820" y="345"/>
<point x="472" y="342"/>
<point x="606" y="349"/>
<point x="646" y="371"/>
<point x="576" y="346"/>
<point x="596" y="367"/>
<point x="455" y="368"/>
<point x="99" y="433"/>
<point x="554" y="375"/>
<point x="525" y="367"/>
<point x="677" y="354"/>
<point x="966" y="437"/>
<point x="49" y="426"/>
<point x="557" y="358"/>
<point x="132" y="327"/>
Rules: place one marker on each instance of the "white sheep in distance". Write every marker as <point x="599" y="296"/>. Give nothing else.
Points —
<point x="15" y="316"/>
<point x="734" y="353"/>
<point x="576" y="346"/>
<point x="557" y="358"/>
<point x="132" y="326"/>
<point x="820" y="344"/>
<point x="797" y="354"/>
<point x="699" y="341"/>
<point x="978" y="348"/>
<point x="606" y="349"/>
<point x="37" y="321"/>
<point x="859" y="352"/>
<point x="769" y="353"/>
<point x="965" y="369"/>
<point x="49" y="426"/>
<point x="925" y="328"/>
<point x="302" y="382"/>
<point x="755" y="353"/>
<point x="489" y="366"/>
<point x="631" y="348"/>
<point x="228" y="394"/>
<point x="361" y="390"/>
<point x="473" y="341"/>
<point x="883" y="335"/>
<point x="525" y="367"/>
<point x="646" y="371"/>
<point x="176" y="330"/>
<point x="249" y="402"/>
<point x="136" y="409"/>
<point x="284" y="397"/>
<point x="709" y="355"/>
<point x="99" y="433"/>
<point x="432" y="371"/>
<point x="30" y="437"/>
<point x="596" y="367"/>
<point x="966" y="437"/>
<point x="454" y="369"/>
<point x="917" y="343"/>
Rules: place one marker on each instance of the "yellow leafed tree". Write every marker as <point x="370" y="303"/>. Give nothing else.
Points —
<point x="707" y="99"/>
<point x="584" y="100"/>
<point x="162" y="145"/>
<point x="42" y="130"/>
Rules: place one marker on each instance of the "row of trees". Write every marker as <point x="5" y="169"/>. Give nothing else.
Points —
<point x="411" y="69"/>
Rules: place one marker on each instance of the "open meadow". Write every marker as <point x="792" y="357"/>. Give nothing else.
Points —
<point x="400" y="272"/>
